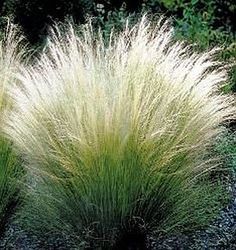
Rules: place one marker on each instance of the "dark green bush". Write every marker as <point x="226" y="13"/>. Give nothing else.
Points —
<point x="201" y="24"/>
<point x="10" y="174"/>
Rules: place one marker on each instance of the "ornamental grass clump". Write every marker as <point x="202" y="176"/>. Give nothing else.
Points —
<point x="116" y="136"/>
<point x="10" y="171"/>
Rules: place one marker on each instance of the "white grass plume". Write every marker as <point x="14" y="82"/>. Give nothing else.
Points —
<point x="11" y="54"/>
<point x="110" y="120"/>
<point x="142" y="84"/>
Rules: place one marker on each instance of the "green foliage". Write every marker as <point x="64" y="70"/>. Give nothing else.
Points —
<point x="10" y="174"/>
<point x="114" y="21"/>
<point x="226" y="147"/>
<point x="201" y="25"/>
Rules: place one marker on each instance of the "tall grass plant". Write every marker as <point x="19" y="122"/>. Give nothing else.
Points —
<point x="10" y="163"/>
<point x="116" y="136"/>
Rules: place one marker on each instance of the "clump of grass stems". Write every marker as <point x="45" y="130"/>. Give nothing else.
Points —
<point x="116" y="136"/>
<point x="10" y="170"/>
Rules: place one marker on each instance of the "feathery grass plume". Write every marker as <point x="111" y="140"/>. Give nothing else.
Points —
<point x="116" y="135"/>
<point x="11" y="53"/>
